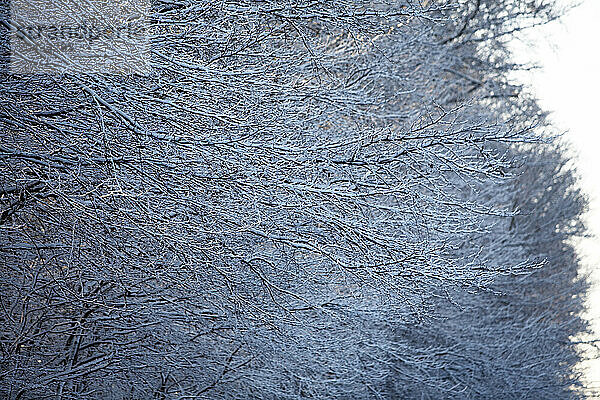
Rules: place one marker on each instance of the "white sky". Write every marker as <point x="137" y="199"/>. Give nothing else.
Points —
<point x="569" y="85"/>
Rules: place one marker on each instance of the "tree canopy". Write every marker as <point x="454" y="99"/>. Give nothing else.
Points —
<point x="309" y="199"/>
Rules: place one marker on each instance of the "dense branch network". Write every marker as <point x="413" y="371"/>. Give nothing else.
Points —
<point x="299" y="200"/>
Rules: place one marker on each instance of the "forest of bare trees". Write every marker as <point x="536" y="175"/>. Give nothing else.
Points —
<point x="296" y="200"/>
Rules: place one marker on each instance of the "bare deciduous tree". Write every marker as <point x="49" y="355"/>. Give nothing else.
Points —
<point x="309" y="200"/>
